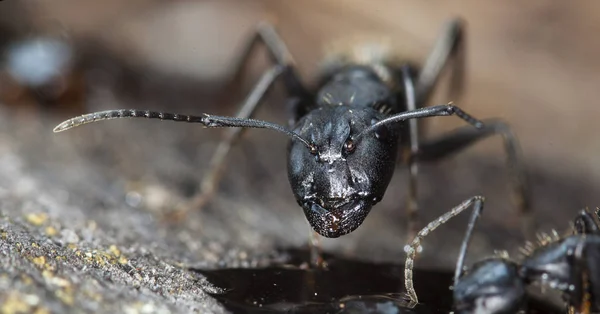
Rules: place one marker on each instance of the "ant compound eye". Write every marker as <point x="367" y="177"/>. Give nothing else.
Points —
<point x="313" y="149"/>
<point x="349" y="146"/>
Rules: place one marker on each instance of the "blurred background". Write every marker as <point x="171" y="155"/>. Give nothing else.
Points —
<point x="533" y="64"/>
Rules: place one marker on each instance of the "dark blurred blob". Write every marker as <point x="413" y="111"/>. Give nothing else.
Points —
<point x="41" y="72"/>
<point x="68" y="59"/>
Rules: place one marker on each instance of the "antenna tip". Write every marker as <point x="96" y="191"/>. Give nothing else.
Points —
<point x="62" y="126"/>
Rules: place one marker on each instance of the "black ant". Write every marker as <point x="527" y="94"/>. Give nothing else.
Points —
<point x="498" y="284"/>
<point x="345" y="134"/>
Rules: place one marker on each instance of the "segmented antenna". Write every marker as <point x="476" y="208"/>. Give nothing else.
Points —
<point x="411" y="250"/>
<point x="433" y="111"/>
<point x="208" y="121"/>
<point x="125" y="113"/>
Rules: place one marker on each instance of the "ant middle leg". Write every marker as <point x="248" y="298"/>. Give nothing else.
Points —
<point x="285" y="69"/>
<point x="413" y="167"/>
<point x="448" y="47"/>
<point x="464" y="137"/>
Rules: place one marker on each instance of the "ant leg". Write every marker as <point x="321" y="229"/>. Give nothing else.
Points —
<point x="464" y="137"/>
<point x="580" y="298"/>
<point x="299" y="98"/>
<point x="450" y="45"/>
<point x="279" y="54"/>
<point x="316" y="258"/>
<point x="412" y="205"/>
<point x="477" y="209"/>
<point x="217" y="162"/>
<point x="412" y="249"/>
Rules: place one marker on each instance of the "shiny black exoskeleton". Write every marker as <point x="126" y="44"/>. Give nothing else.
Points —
<point x="346" y="133"/>
<point x="339" y="181"/>
<point x="571" y="265"/>
<point x="498" y="285"/>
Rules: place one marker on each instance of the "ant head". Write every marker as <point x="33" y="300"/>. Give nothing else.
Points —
<point x="340" y="178"/>
<point x="493" y="286"/>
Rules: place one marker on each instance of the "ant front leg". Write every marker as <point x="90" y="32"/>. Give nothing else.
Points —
<point x="449" y="46"/>
<point x="285" y="68"/>
<point x="461" y="138"/>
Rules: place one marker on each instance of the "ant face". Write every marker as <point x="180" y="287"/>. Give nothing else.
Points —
<point x="338" y="182"/>
<point x="493" y="286"/>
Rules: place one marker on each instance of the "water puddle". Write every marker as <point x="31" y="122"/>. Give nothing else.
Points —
<point x="346" y="286"/>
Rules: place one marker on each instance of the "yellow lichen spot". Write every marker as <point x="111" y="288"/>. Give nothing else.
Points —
<point x="92" y="225"/>
<point x="71" y="246"/>
<point x="41" y="310"/>
<point x="15" y="303"/>
<point x="47" y="274"/>
<point x="26" y="279"/>
<point x="4" y="235"/>
<point x="135" y="307"/>
<point x="36" y="219"/>
<point x="51" y="231"/>
<point x="114" y="250"/>
<point x="60" y="282"/>
<point x="123" y="260"/>
<point x="65" y="297"/>
<point x="93" y="295"/>
<point x="100" y="260"/>
<point x="39" y="261"/>
<point x="33" y="244"/>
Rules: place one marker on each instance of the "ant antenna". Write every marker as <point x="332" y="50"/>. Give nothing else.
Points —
<point x="209" y="121"/>
<point x="433" y="111"/>
<point x="412" y="249"/>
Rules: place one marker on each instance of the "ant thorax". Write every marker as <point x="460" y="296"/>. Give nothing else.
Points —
<point x="361" y="50"/>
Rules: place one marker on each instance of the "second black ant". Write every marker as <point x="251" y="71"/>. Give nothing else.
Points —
<point x="347" y="133"/>
<point x="498" y="285"/>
